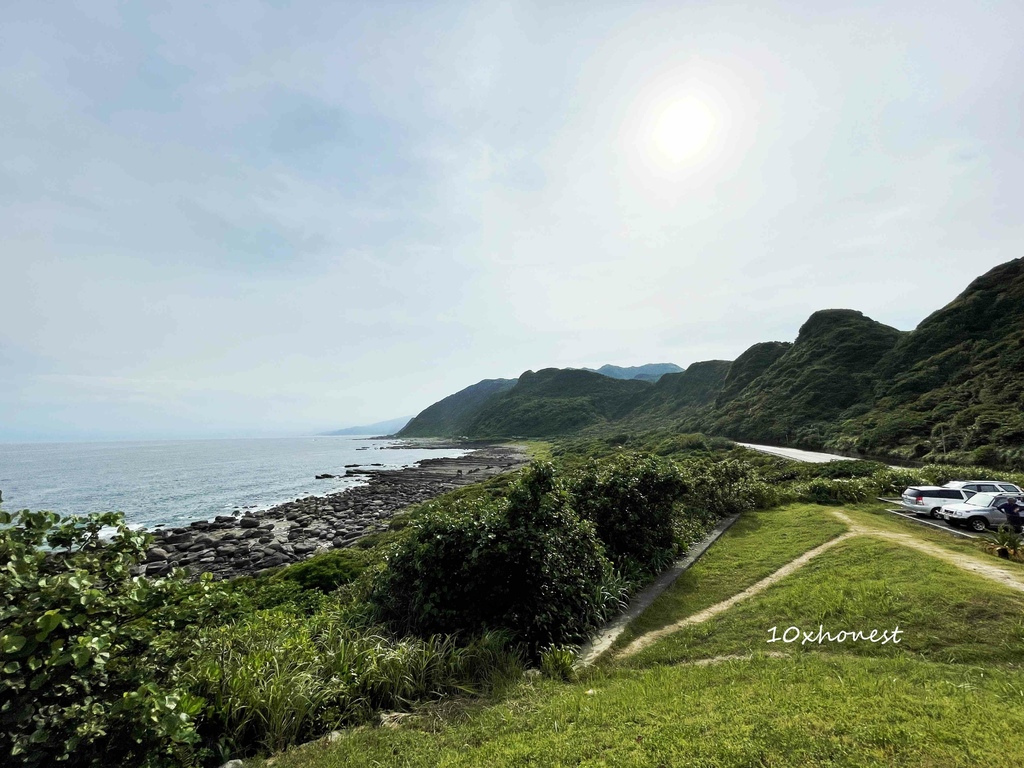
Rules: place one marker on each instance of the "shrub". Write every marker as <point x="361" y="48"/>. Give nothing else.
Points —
<point x="527" y="564"/>
<point x="724" y="487"/>
<point x="842" y="491"/>
<point x="843" y="469"/>
<point x="85" y="646"/>
<point x="630" y="499"/>
<point x="328" y="571"/>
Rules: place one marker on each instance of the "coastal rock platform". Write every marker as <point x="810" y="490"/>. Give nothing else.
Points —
<point x="256" y="542"/>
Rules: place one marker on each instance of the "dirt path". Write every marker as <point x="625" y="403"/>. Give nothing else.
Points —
<point x="794" y="565"/>
<point x="968" y="563"/>
<point x="964" y="562"/>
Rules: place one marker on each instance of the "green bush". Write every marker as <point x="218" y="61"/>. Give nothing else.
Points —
<point x="85" y="647"/>
<point x="630" y="500"/>
<point x="843" y="469"/>
<point x="527" y="564"/>
<point x="724" y="487"/>
<point x="328" y="571"/>
<point x="842" y="491"/>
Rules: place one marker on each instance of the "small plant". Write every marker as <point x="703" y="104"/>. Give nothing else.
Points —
<point x="1006" y="543"/>
<point x="556" y="662"/>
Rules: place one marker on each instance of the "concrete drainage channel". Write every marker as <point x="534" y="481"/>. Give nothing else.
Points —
<point x="940" y="526"/>
<point x="603" y="640"/>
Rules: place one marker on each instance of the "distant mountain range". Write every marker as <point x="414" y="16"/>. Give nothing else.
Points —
<point x="952" y="389"/>
<point x="389" y="427"/>
<point x="650" y="372"/>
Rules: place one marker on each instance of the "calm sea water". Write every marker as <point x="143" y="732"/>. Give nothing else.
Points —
<point x="178" y="481"/>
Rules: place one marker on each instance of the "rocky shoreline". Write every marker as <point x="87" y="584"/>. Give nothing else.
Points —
<point x="256" y="542"/>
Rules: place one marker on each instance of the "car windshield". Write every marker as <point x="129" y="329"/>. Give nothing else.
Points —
<point x="981" y="500"/>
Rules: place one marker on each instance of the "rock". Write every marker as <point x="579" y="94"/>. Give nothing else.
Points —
<point x="233" y="764"/>
<point x="249" y="522"/>
<point x="156" y="554"/>
<point x="324" y="476"/>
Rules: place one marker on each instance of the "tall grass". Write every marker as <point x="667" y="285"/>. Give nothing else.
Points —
<point x="275" y="679"/>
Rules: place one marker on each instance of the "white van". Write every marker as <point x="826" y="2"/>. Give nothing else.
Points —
<point x="930" y="499"/>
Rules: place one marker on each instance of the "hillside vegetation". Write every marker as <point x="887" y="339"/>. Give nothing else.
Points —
<point x="556" y="402"/>
<point x="455" y="414"/>
<point x="717" y="693"/>
<point x="951" y="390"/>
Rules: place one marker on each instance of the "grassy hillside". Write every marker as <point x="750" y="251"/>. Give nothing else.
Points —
<point x="453" y="415"/>
<point x="747" y="367"/>
<point x="716" y="693"/>
<point x="829" y="371"/>
<point x="557" y="402"/>
<point x="953" y="388"/>
<point x="678" y="400"/>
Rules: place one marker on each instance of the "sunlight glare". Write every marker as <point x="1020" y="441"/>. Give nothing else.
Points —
<point x="683" y="129"/>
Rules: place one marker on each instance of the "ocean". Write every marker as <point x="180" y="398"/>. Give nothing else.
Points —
<point x="174" y="482"/>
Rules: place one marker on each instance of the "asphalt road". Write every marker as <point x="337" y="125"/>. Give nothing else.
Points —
<point x="796" y="454"/>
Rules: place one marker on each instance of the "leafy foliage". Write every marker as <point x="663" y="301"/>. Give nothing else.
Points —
<point x="527" y="564"/>
<point x="84" y="644"/>
<point x="630" y="500"/>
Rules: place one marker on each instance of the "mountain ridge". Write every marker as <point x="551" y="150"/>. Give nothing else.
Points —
<point x="950" y="389"/>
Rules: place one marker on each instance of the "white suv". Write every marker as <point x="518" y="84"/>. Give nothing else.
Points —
<point x="929" y="499"/>
<point x="971" y="487"/>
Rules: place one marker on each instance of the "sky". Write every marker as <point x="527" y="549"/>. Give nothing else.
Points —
<point x="257" y="218"/>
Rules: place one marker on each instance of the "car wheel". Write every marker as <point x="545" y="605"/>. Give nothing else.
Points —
<point x="934" y="514"/>
<point x="978" y="524"/>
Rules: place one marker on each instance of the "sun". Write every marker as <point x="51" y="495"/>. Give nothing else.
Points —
<point x="683" y="129"/>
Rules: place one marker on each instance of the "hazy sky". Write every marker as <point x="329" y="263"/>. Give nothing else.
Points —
<point x="255" y="218"/>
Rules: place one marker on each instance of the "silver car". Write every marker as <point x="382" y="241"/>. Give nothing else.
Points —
<point x="979" y="512"/>
<point x="971" y="487"/>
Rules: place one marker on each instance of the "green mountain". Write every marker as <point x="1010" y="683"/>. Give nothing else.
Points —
<point x="455" y="414"/>
<point x="554" y="401"/>
<point x="680" y="400"/>
<point x="650" y="372"/>
<point x="953" y="389"/>
<point x="748" y="366"/>
<point x="827" y="373"/>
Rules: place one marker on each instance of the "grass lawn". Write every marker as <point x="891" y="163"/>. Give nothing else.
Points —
<point x="756" y="546"/>
<point x="812" y="710"/>
<point x="951" y="693"/>
<point x="944" y="613"/>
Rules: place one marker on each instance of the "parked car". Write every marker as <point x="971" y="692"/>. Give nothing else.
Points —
<point x="983" y="486"/>
<point x="929" y="499"/>
<point x="979" y="512"/>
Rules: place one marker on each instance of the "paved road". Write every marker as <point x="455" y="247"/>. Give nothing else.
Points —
<point x="796" y="454"/>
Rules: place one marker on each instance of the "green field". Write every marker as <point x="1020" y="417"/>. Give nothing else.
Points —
<point x="950" y="693"/>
